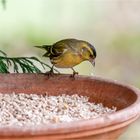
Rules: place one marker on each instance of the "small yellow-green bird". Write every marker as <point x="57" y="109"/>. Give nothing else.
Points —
<point x="68" y="53"/>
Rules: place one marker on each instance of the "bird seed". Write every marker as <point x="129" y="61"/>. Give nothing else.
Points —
<point x="34" y="109"/>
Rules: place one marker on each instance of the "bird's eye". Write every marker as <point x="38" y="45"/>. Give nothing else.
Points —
<point x="84" y="49"/>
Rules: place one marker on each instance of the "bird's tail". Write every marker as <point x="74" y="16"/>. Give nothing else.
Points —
<point x="47" y="48"/>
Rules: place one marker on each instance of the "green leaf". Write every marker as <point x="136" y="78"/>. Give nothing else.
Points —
<point x="3" y="67"/>
<point x="3" y="53"/>
<point x="20" y="64"/>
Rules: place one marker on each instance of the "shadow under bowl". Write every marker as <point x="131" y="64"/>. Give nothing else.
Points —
<point x="110" y="93"/>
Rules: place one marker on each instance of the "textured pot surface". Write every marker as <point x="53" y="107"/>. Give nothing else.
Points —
<point x="110" y="93"/>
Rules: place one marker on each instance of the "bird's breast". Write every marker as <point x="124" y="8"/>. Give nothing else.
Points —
<point x="67" y="60"/>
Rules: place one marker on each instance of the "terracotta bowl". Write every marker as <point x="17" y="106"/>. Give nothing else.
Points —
<point x="110" y="93"/>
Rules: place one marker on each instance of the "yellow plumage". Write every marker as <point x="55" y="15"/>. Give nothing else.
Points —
<point x="68" y="53"/>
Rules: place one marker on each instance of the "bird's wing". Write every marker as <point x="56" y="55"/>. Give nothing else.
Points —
<point x="72" y="45"/>
<point x="58" y="49"/>
<point x="62" y="47"/>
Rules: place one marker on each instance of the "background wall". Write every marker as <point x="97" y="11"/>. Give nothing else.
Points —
<point x="113" y="26"/>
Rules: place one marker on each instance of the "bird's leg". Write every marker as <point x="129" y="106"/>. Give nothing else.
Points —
<point x="52" y="69"/>
<point x="51" y="72"/>
<point x="74" y="73"/>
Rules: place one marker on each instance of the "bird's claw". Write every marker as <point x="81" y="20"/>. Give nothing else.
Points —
<point x="49" y="73"/>
<point x="74" y="73"/>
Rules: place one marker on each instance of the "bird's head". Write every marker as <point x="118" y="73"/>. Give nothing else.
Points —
<point x="88" y="52"/>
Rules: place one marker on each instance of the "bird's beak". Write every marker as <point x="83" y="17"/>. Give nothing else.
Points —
<point x="92" y="61"/>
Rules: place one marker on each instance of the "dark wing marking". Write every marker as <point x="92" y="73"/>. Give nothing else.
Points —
<point x="58" y="49"/>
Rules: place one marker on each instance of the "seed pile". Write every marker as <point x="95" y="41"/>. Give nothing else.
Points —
<point x="32" y="109"/>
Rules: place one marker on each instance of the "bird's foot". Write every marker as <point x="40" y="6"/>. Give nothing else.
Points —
<point x="74" y="73"/>
<point x="49" y="73"/>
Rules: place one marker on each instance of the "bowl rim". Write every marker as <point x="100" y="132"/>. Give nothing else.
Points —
<point x="121" y="116"/>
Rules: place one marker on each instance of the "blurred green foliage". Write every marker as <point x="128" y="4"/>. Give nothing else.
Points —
<point x="3" y="3"/>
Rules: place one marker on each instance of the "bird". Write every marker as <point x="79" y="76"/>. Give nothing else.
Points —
<point x="68" y="53"/>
